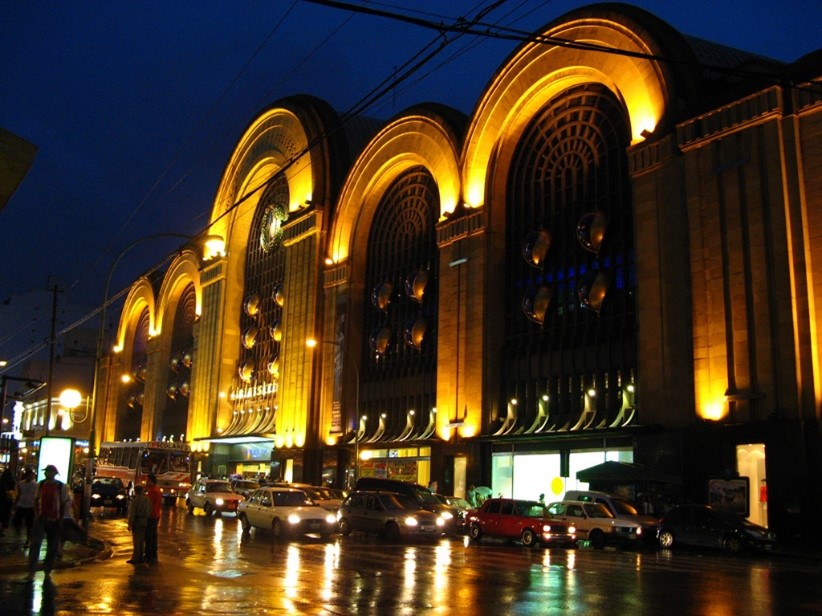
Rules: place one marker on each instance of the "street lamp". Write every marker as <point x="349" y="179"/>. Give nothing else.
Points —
<point x="98" y="358"/>
<point x="311" y="343"/>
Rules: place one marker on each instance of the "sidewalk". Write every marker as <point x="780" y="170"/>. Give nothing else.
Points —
<point x="14" y="556"/>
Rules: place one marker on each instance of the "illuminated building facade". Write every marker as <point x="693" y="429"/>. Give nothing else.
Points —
<point x="612" y="258"/>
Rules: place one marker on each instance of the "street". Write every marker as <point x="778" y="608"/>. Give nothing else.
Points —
<point x="207" y="566"/>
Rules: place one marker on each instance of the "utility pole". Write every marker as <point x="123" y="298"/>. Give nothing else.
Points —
<point x="52" y="342"/>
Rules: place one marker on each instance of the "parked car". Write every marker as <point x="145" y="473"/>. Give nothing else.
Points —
<point x="212" y="495"/>
<point x="391" y="514"/>
<point x="287" y="512"/>
<point x="621" y="508"/>
<point x="109" y="492"/>
<point x="522" y="520"/>
<point x="461" y="507"/>
<point x="324" y="497"/>
<point x="244" y="487"/>
<point x="701" y="525"/>
<point x="424" y="497"/>
<point x="595" y="523"/>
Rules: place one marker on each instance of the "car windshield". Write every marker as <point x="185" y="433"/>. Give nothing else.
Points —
<point x="318" y="493"/>
<point x="393" y="502"/>
<point x="108" y="481"/>
<point x="530" y="509"/>
<point x="426" y="496"/>
<point x="459" y="503"/>
<point x="624" y="507"/>
<point x="597" y="511"/>
<point x="218" y="486"/>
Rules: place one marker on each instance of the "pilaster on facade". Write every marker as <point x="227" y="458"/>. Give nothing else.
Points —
<point x="461" y="338"/>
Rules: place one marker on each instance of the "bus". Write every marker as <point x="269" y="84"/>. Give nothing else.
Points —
<point x="134" y="461"/>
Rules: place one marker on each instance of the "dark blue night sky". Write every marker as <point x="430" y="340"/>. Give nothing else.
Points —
<point x="136" y="106"/>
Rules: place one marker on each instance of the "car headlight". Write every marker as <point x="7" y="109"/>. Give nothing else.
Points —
<point x="331" y="518"/>
<point x="546" y="528"/>
<point x="440" y="522"/>
<point x="572" y="530"/>
<point x="411" y="521"/>
<point x="447" y="515"/>
<point x="293" y="519"/>
<point x="638" y="531"/>
<point x="120" y="497"/>
<point x="219" y="501"/>
<point x="95" y="497"/>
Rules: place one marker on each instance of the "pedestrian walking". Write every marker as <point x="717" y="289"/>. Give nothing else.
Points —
<point x="24" y="505"/>
<point x="138" y="511"/>
<point x="7" y="486"/>
<point x="50" y="502"/>
<point x="156" y="499"/>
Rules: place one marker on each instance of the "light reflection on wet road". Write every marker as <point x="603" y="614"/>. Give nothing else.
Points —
<point x="207" y="566"/>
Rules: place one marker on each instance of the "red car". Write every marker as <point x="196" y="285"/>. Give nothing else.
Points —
<point x="523" y="520"/>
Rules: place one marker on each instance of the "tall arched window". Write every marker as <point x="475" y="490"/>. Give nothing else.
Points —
<point x="175" y="415"/>
<point x="130" y="405"/>
<point x="570" y="322"/>
<point x="401" y="303"/>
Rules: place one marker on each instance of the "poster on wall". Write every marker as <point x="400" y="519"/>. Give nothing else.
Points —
<point x="731" y="495"/>
<point x="58" y="451"/>
<point x="403" y="470"/>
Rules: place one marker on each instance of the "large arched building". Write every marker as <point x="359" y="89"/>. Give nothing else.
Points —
<point x="613" y="258"/>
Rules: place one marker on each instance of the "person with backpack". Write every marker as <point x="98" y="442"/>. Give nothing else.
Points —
<point x="50" y="501"/>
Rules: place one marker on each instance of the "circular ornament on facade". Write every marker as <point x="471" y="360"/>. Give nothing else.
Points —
<point x="186" y="358"/>
<point x="174" y="363"/>
<point x="184" y="389"/>
<point x="171" y="391"/>
<point x="591" y="230"/>
<point x="276" y="331"/>
<point x="415" y="284"/>
<point x="381" y="340"/>
<point x="271" y="233"/>
<point x="381" y="296"/>
<point x="251" y="305"/>
<point x="415" y="332"/>
<point x="250" y="337"/>
<point x="278" y="296"/>
<point x="536" y="246"/>
<point x="535" y="303"/>
<point x="246" y="371"/>
<point x="593" y="290"/>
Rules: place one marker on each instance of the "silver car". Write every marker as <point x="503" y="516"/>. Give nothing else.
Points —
<point x="393" y="515"/>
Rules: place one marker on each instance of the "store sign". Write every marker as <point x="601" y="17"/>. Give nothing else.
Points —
<point x="254" y="392"/>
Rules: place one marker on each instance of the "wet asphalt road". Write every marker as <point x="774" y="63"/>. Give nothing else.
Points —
<point x="207" y="566"/>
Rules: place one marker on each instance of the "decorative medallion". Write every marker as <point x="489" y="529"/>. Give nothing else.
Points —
<point x="271" y="233"/>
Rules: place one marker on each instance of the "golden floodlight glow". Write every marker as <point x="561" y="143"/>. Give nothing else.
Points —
<point x="70" y="398"/>
<point x="125" y="378"/>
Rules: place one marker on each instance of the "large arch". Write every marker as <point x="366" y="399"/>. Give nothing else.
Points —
<point x="184" y="270"/>
<point x="538" y="71"/>
<point x="140" y="297"/>
<point x="426" y="135"/>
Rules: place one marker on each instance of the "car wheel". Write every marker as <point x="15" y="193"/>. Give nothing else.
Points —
<point x="732" y="544"/>
<point x="245" y="523"/>
<point x="666" y="539"/>
<point x="597" y="539"/>
<point x="189" y="506"/>
<point x="208" y="509"/>
<point x="277" y="527"/>
<point x="345" y="527"/>
<point x="475" y="532"/>
<point x="392" y="531"/>
<point x="528" y="538"/>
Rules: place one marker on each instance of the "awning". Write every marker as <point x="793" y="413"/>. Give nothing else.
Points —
<point x="623" y="473"/>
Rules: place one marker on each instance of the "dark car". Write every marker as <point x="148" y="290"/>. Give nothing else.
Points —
<point x="424" y="497"/>
<point x="523" y="520"/>
<point x="704" y="526"/>
<point x="393" y="515"/>
<point x="109" y="492"/>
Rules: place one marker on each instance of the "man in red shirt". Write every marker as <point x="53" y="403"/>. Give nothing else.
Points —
<point x="156" y="499"/>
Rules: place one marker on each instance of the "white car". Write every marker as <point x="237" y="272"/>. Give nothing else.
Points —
<point x="286" y="511"/>
<point x="212" y="495"/>
<point x="595" y="523"/>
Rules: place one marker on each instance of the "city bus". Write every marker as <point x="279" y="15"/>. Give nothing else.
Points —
<point x="134" y="461"/>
